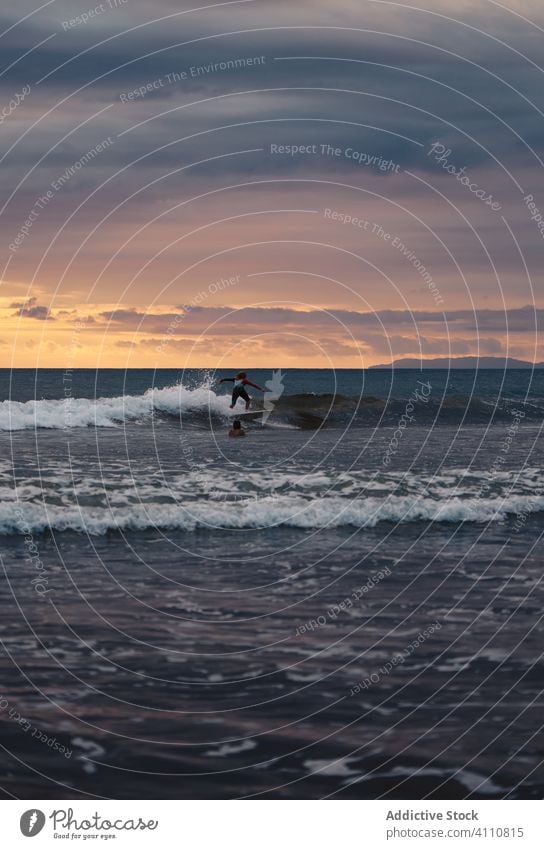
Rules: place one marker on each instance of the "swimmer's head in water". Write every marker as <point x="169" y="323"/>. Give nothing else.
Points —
<point x="237" y="425"/>
<point x="241" y="375"/>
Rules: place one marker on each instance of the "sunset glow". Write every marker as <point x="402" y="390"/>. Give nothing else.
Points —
<point x="343" y="181"/>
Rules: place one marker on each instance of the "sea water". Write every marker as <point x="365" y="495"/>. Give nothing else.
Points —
<point x="345" y="602"/>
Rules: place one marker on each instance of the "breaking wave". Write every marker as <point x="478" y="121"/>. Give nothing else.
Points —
<point x="269" y="512"/>
<point x="110" y="412"/>
<point x="306" y="411"/>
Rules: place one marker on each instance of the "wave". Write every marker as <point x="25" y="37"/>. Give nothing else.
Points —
<point x="270" y="512"/>
<point x="309" y="411"/>
<point x="305" y="411"/>
<point x="68" y="413"/>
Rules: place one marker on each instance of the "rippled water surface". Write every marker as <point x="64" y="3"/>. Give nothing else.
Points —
<point x="288" y="615"/>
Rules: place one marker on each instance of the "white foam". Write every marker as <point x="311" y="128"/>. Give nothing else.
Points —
<point x="227" y="749"/>
<point x="473" y="781"/>
<point x="291" y="511"/>
<point x="109" y="412"/>
<point x="340" y="767"/>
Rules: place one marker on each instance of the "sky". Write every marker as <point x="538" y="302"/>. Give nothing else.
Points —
<point x="263" y="183"/>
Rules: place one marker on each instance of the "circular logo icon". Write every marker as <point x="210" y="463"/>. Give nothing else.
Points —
<point x="32" y="822"/>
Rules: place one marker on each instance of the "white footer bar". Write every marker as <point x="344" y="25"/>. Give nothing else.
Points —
<point x="273" y="824"/>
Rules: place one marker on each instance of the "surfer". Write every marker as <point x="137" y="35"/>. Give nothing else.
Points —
<point x="237" y="429"/>
<point x="240" y="382"/>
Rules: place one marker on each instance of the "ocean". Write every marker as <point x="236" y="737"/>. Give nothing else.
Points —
<point x="346" y="603"/>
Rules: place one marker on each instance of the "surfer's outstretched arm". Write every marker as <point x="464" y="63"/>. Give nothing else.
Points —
<point x="249" y="383"/>
<point x="227" y="380"/>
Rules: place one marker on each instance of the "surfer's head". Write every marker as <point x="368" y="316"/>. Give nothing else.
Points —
<point x="237" y="425"/>
<point x="241" y="375"/>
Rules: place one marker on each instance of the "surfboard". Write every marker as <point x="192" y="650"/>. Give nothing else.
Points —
<point x="245" y="413"/>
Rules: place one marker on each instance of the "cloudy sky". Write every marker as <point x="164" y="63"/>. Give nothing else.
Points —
<point x="270" y="182"/>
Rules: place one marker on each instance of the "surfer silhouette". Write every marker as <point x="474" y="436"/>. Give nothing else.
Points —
<point x="240" y="382"/>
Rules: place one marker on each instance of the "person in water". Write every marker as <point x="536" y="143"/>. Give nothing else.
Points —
<point x="240" y="382"/>
<point x="237" y="429"/>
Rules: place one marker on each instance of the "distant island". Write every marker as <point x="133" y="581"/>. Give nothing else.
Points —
<point x="460" y="362"/>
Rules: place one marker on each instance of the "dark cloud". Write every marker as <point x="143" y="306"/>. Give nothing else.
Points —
<point x="385" y="81"/>
<point x="400" y="82"/>
<point x="122" y="315"/>
<point x="31" y="309"/>
<point x="226" y="320"/>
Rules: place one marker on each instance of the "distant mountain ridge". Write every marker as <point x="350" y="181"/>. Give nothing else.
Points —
<point x="460" y="362"/>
